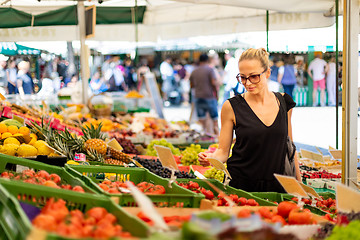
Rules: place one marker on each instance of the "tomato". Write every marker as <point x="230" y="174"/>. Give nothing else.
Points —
<point x="97" y="212"/>
<point x="242" y="201"/>
<point x="5" y="175"/>
<point x="284" y="208"/>
<point x="113" y="190"/>
<point x="244" y="213"/>
<point x="193" y="185"/>
<point x="45" y="222"/>
<point x="234" y="198"/>
<point x="299" y="216"/>
<point x="265" y="212"/>
<point x="55" y="178"/>
<point x="278" y="218"/>
<point x="28" y="173"/>
<point x="209" y="194"/>
<point x="44" y="174"/>
<point x="107" y="182"/>
<point x="252" y="202"/>
<point x="66" y="186"/>
<point x="78" y="189"/>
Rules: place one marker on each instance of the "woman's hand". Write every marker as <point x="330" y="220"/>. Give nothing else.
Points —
<point x="203" y="159"/>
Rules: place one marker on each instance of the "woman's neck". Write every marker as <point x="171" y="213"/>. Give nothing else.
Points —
<point x="259" y="97"/>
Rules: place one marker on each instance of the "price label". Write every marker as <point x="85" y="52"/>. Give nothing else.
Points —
<point x="114" y="144"/>
<point x="2" y="97"/>
<point x="291" y="185"/>
<point x="166" y="157"/>
<point x="147" y="207"/>
<point x="347" y="199"/>
<point x="310" y="190"/>
<point x="219" y="166"/>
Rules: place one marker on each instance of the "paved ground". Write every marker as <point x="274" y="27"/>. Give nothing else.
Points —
<point x="311" y="125"/>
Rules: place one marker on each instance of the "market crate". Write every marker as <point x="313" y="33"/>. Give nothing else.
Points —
<point x="175" y="196"/>
<point x="38" y="195"/>
<point x="318" y="211"/>
<point x="16" y="164"/>
<point x="227" y="189"/>
<point x="269" y="196"/>
<point x="14" y="223"/>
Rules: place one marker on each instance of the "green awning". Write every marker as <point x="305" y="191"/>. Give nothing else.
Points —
<point x="12" y="18"/>
<point x="11" y="49"/>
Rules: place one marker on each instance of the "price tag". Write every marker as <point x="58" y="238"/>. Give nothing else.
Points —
<point x="137" y="163"/>
<point x="19" y="119"/>
<point x="114" y="144"/>
<point x="347" y="199"/>
<point x="312" y="155"/>
<point x="291" y="185"/>
<point x="147" y="207"/>
<point x="219" y="166"/>
<point x="310" y="190"/>
<point x="166" y="157"/>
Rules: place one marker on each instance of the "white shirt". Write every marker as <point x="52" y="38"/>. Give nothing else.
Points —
<point x="166" y="70"/>
<point x="231" y="70"/>
<point x="318" y="69"/>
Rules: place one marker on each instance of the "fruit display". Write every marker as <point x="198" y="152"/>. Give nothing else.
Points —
<point x="41" y="178"/>
<point x="213" y="173"/>
<point x="327" y="205"/>
<point x="156" y="167"/>
<point x="190" y="155"/>
<point x="118" y="187"/>
<point x="96" y="223"/>
<point x="126" y="144"/>
<point x="171" y="221"/>
<point x="134" y="94"/>
<point x="319" y="174"/>
<point x="150" y="150"/>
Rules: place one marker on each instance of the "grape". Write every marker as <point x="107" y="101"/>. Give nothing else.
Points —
<point x="350" y="231"/>
<point x="213" y="173"/>
<point x="150" y="150"/>
<point x="190" y="155"/>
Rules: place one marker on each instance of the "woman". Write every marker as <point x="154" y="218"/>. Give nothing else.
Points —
<point x="260" y="127"/>
<point x="287" y="76"/>
<point x="24" y="82"/>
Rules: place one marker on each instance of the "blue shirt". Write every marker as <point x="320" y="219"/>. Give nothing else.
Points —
<point x="27" y="83"/>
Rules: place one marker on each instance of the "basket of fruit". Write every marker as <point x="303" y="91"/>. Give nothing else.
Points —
<point x="64" y="215"/>
<point x="100" y="109"/>
<point x="111" y="180"/>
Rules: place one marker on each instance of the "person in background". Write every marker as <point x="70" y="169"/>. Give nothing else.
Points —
<point x="47" y="86"/>
<point x="214" y="62"/>
<point x="203" y="80"/>
<point x="167" y="76"/>
<point x="3" y="77"/>
<point x="11" y="73"/>
<point x="287" y="76"/>
<point x="141" y="72"/>
<point x="128" y="74"/>
<point x="24" y="82"/>
<point x="98" y="84"/>
<point x="229" y="79"/>
<point x="273" y="79"/>
<point x="331" y="82"/>
<point x="262" y="125"/>
<point x="74" y="79"/>
<point x="317" y="69"/>
<point x="301" y="73"/>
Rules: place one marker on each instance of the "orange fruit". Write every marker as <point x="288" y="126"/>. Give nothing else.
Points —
<point x="6" y="135"/>
<point x="3" y="128"/>
<point x="13" y="129"/>
<point x="24" y="130"/>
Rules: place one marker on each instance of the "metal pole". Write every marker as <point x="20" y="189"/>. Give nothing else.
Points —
<point x="337" y="71"/>
<point x="136" y="32"/>
<point x="83" y="64"/>
<point x="350" y="92"/>
<point x="267" y="30"/>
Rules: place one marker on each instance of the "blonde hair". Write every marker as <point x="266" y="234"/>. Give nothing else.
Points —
<point x="259" y="54"/>
<point x="23" y="65"/>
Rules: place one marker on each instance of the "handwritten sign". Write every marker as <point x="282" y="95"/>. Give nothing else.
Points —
<point x="219" y="166"/>
<point x="114" y="144"/>
<point x="310" y="190"/>
<point x="166" y="157"/>
<point x="312" y="155"/>
<point x="347" y="199"/>
<point x="291" y="185"/>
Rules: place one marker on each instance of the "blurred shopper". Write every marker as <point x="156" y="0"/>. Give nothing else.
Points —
<point x="167" y="76"/>
<point x="301" y="73"/>
<point x="47" y="86"/>
<point x="317" y="69"/>
<point x="273" y="83"/>
<point x="3" y="77"/>
<point x="98" y="84"/>
<point x="56" y="81"/>
<point x="203" y="80"/>
<point x="11" y="74"/>
<point x="24" y="82"/>
<point x="230" y="71"/>
<point x="331" y="82"/>
<point x="128" y="74"/>
<point x="141" y="72"/>
<point x="287" y="76"/>
<point x="214" y="62"/>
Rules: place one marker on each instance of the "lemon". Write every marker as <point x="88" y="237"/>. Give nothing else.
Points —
<point x="44" y="150"/>
<point x="26" y="150"/>
<point x="39" y="143"/>
<point x="72" y="162"/>
<point x="11" y="140"/>
<point x="6" y="135"/>
<point x="9" y="149"/>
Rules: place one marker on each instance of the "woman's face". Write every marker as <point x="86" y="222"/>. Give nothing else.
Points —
<point x="253" y="68"/>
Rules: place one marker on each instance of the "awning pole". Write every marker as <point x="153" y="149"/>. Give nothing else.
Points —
<point x="337" y="71"/>
<point x="267" y="30"/>
<point x="350" y="92"/>
<point x="83" y="64"/>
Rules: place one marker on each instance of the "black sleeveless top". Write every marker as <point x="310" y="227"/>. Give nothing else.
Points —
<point x="259" y="150"/>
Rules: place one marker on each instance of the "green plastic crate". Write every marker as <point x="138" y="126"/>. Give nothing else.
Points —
<point x="227" y="189"/>
<point x="13" y="221"/>
<point x="175" y="196"/>
<point x="270" y="196"/>
<point x="11" y="163"/>
<point x="82" y="201"/>
<point x="327" y="195"/>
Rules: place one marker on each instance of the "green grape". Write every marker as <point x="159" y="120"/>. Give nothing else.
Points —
<point x="190" y="155"/>
<point x="150" y="150"/>
<point x="350" y="231"/>
<point x="215" y="174"/>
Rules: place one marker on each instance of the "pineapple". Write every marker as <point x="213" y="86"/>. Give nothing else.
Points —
<point x="118" y="155"/>
<point x="113" y="161"/>
<point x="94" y="139"/>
